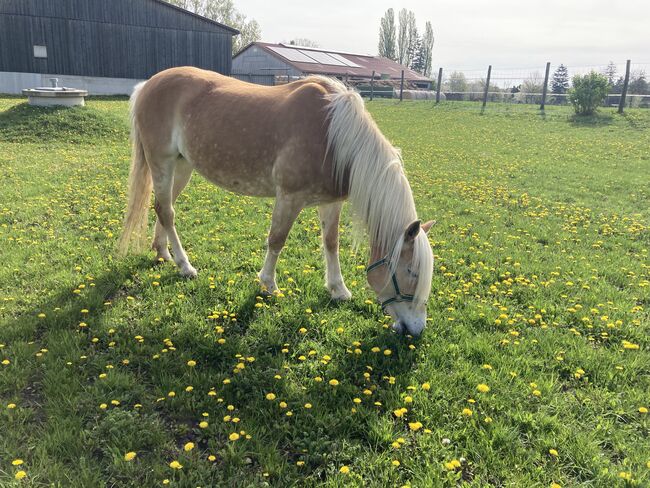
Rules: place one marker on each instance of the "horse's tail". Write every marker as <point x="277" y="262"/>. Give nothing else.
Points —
<point x="134" y="234"/>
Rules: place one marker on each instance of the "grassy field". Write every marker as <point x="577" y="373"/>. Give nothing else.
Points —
<point x="533" y="371"/>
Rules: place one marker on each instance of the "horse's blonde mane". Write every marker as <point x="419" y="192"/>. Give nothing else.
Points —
<point x="379" y="193"/>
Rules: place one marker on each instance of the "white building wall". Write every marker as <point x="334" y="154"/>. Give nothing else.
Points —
<point x="14" y="83"/>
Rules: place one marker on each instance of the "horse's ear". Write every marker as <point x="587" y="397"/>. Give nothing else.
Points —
<point x="426" y="226"/>
<point x="412" y="231"/>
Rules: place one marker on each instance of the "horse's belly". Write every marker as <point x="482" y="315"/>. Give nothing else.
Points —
<point x="246" y="179"/>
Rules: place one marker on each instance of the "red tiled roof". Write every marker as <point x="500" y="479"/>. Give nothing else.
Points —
<point x="367" y="64"/>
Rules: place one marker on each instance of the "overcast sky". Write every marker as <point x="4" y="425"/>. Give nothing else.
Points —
<point x="473" y="33"/>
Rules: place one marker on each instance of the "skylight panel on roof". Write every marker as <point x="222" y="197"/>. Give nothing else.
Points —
<point x="346" y="62"/>
<point x="292" y="54"/>
<point x="323" y="58"/>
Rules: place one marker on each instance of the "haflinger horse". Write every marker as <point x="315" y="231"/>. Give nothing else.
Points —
<point x="306" y="143"/>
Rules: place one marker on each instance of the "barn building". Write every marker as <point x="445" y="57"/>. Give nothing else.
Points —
<point x="104" y="46"/>
<point x="268" y="64"/>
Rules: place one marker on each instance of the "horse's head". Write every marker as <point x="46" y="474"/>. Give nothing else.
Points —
<point x="402" y="278"/>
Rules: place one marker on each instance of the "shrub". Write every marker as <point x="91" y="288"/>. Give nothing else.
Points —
<point x="587" y="92"/>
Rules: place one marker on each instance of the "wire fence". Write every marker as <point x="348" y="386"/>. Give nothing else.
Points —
<point x="527" y="85"/>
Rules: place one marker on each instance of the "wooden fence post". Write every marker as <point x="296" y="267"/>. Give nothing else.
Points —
<point x="545" y="88"/>
<point x="372" y="85"/>
<point x="621" y="102"/>
<point x="439" y="85"/>
<point x="401" y="87"/>
<point x="487" y="86"/>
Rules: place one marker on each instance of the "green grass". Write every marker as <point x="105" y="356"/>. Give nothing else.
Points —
<point x="541" y="277"/>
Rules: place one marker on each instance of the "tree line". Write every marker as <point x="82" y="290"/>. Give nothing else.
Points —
<point x="402" y="42"/>
<point x="638" y="83"/>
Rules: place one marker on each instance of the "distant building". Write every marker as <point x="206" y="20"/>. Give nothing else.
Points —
<point x="268" y="64"/>
<point x="104" y="46"/>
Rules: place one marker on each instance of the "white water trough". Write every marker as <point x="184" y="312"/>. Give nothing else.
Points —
<point x="46" y="96"/>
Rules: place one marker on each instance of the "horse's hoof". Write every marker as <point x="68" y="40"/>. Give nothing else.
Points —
<point x="162" y="259"/>
<point x="268" y="286"/>
<point x="188" y="271"/>
<point x="341" y="294"/>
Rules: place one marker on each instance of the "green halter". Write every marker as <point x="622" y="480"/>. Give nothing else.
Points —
<point x="399" y="296"/>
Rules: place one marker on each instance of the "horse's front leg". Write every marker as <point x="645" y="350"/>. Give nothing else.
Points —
<point x="329" y="220"/>
<point x="285" y="211"/>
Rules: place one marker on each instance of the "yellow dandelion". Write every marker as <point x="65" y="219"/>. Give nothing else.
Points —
<point x="344" y="470"/>
<point x="203" y="425"/>
<point x="553" y="452"/>
<point x="483" y="388"/>
<point x="20" y="475"/>
<point x="400" y="412"/>
<point x="426" y="386"/>
<point x="175" y="465"/>
<point x="334" y="382"/>
<point x="191" y="363"/>
<point x="188" y="447"/>
<point x="130" y="456"/>
<point x="16" y="462"/>
<point x="467" y="412"/>
<point x="270" y="396"/>
<point x="643" y="410"/>
<point x="415" y="426"/>
<point x="234" y="436"/>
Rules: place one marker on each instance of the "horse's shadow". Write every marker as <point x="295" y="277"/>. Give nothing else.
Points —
<point x="315" y="438"/>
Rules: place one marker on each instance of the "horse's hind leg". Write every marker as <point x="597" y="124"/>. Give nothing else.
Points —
<point x="285" y="212"/>
<point x="163" y="182"/>
<point x="329" y="218"/>
<point x="182" y="175"/>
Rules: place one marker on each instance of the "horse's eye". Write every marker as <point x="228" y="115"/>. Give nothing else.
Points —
<point x="411" y="272"/>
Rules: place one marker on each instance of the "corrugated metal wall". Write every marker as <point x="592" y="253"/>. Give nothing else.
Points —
<point x="116" y="38"/>
<point x="258" y="66"/>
